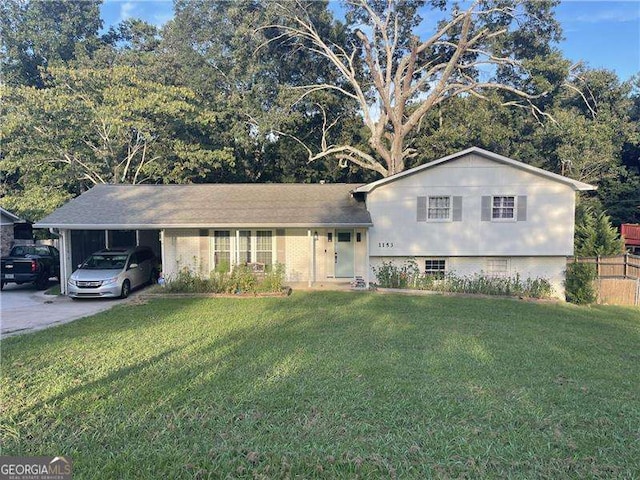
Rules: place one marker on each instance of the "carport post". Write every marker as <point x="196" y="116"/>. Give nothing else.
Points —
<point x="65" y="259"/>
<point x="162" y="254"/>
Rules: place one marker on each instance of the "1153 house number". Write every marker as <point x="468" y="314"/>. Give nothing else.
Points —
<point x="385" y="244"/>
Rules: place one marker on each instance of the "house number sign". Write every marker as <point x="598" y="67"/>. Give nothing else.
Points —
<point x="385" y="244"/>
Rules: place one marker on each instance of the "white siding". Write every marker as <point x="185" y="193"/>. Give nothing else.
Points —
<point x="548" y="230"/>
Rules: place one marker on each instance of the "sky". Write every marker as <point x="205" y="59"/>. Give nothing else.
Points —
<point x="601" y="33"/>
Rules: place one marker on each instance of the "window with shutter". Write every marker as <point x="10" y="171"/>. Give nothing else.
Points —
<point x="439" y="208"/>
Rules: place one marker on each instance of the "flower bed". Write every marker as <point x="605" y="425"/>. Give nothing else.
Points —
<point x="408" y="276"/>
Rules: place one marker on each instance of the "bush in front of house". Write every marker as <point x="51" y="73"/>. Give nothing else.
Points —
<point x="408" y="275"/>
<point x="579" y="283"/>
<point x="241" y="280"/>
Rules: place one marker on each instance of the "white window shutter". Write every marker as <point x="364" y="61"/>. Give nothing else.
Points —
<point x="522" y="209"/>
<point x="456" y="212"/>
<point x="486" y="209"/>
<point x="421" y="214"/>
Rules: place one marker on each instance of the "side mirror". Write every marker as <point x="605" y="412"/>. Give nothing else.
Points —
<point x="132" y="266"/>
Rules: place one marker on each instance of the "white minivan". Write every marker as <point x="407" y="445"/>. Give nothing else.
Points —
<point x="113" y="272"/>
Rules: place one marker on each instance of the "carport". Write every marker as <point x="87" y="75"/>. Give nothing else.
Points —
<point x="85" y="242"/>
<point x="107" y="216"/>
<point x="76" y="244"/>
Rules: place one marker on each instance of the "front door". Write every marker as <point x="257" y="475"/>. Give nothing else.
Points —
<point x="344" y="254"/>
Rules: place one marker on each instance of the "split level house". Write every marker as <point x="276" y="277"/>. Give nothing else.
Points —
<point x="471" y="212"/>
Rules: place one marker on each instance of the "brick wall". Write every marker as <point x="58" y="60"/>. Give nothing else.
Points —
<point x="6" y="239"/>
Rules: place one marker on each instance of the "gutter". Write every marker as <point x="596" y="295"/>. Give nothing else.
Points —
<point x="143" y="226"/>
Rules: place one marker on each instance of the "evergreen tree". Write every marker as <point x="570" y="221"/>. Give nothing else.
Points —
<point x="595" y="235"/>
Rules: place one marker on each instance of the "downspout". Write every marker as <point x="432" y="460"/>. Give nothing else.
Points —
<point x="163" y="255"/>
<point x="366" y="263"/>
<point x="310" y="283"/>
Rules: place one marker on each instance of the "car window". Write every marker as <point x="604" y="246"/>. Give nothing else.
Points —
<point x="133" y="259"/>
<point x="105" y="262"/>
<point x="42" y="251"/>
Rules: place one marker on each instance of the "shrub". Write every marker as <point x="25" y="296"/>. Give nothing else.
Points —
<point x="408" y="275"/>
<point x="389" y="275"/>
<point x="242" y="279"/>
<point x="580" y="283"/>
<point x="273" y="279"/>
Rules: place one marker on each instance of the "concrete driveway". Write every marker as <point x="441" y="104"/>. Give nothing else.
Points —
<point x="24" y="309"/>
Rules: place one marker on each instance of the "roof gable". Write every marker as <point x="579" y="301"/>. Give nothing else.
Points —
<point x="576" y="185"/>
<point x="7" y="214"/>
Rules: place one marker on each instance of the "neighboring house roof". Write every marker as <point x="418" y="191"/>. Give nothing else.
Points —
<point x="211" y="205"/>
<point x="484" y="153"/>
<point x="630" y="233"/>
<point x="8" y="215"/>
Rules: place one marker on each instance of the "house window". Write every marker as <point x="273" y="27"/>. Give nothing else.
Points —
<point x="264" y="247"/>
<point x="244" y="246"/>
<point x="435" y="268"/>
<point x="439" y="208"/>
<point x="503" y="208"/>
<point x="497" y="267"/>
<point x="222" y="250"/>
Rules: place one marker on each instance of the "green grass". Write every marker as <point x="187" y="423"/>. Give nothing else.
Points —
<point x="54" y="290"/>
<point x="331" y="384"/>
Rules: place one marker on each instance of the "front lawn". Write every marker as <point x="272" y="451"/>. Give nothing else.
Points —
<point x="331" y="384"/>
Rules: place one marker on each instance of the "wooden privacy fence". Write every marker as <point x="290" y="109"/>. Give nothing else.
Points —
<point x="618" y="278"/>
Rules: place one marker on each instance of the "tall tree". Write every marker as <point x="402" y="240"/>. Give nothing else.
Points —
<point x="213" y="48"/>
<point x="595" y="235"/>
<point x="396" y="77"/>
<point x="37" y="34"/>
<point x="93" y="126"/>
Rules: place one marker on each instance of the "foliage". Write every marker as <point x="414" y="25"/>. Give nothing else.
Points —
<point x="331" y="385"/>
<point x="390" y="275"/>
<point x="595" y="235"/>
<point x="408" y="275"/>
<point x="397" y="73"/>
<point x="240" y="280"/>
<point x="93" y="126"/>
<point x="217" y="95"/>
<point x="39" y="34"/>
<point x="580" y="283"/>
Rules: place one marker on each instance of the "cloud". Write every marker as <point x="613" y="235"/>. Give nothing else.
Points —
<point x="126" y="10"/>
<point x="613" y="15"/>
<point x="159" y="19"/>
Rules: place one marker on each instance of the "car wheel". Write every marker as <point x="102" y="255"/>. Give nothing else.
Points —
<point x="126" y="289"/>
<point x="43" y="281"/>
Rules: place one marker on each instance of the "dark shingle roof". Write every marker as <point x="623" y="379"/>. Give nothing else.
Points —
<point x="209" y="205"/>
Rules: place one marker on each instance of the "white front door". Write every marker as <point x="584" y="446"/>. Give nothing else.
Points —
<point x="344" y="254"/>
